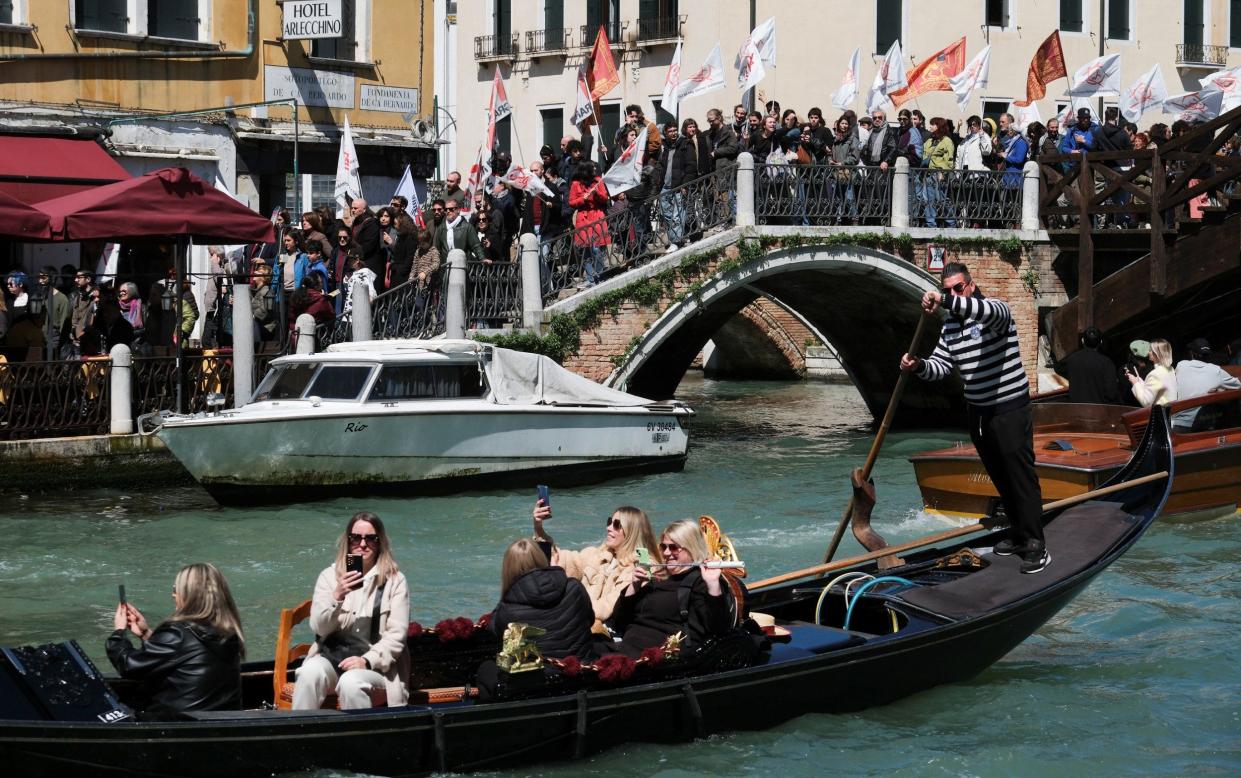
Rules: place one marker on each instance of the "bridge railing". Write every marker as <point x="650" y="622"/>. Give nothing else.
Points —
<point x="965" y="198"/>
<point x="822" y="195"/>
<point x="492" y="293"/>
<point x="409" y="310"/>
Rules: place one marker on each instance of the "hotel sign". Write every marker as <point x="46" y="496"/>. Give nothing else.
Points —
<point x="307" y="19"/>
<point x="393" y="99"/>
<point x="322" y="88"/>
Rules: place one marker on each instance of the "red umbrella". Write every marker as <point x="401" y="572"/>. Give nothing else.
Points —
<point x="20" y="221"/>
<point x="162" y="203"/>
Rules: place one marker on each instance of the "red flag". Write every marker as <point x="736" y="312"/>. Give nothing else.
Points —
<point x="1047" y="66"/>
<point x="932" y="74"/>
<point x="601" y="72"/>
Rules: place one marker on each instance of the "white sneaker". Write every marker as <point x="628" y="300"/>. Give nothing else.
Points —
<point x="672" y="247"/>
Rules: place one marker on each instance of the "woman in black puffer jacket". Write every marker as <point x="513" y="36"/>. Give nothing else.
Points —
<point x="534" y="593"/>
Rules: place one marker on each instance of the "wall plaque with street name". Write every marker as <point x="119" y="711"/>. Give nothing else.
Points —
<point x="324" y="88"/>
<point x="307" y="19"/>
<point x="393" y="99"/>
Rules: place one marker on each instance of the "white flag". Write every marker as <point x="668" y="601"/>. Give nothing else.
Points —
<point x="1024" y="115"/>
<point x="709" y="77"/>
<point x="889" y="78"/>
<point x="585" y="106"/>
<point x="764" y="37"/>
<point x="847" y="92"/>
<point x="749" y="65"/>
<point x="480" y="171"/>
<point x="668" y="100"/>
<point x="348" y="177"/>
<point x="500" y="107"/>
<point x="1200" y="106"/>
<point x="520" y="178"/>
<point x="1097" y="78"/>
<point x="974" y="76"/>
<point x="1228" y="82"/>
<point x="626" y="172"/>
<point x="1146" y="93"/>
<point x="406" y="188"/>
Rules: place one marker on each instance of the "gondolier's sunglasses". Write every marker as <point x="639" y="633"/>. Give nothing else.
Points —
<point x="956" y="288"/>
<point x="356" y="539"/>
<point x="613" y="523"/>
<point x="671" y="548"/>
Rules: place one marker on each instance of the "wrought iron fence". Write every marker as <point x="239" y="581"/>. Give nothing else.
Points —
<point x="488" y="47"/>
<point x="965" y="198"/>
<point x="54" y="399"/>
<point x="549" y="40"/>
<point x="155" y="382"/>
<point x="637" y="232"/>
<point x="822" y="195"/>
<point x="404" y="311"/>
<point x="660" y="28"/>
<point x="492" y="293"/>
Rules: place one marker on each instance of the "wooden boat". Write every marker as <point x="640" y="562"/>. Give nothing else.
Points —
<point x="1078" y="447"/>
<point x="962" y="609"/>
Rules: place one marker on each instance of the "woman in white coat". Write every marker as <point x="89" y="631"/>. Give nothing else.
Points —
<point x="360" y="620"/>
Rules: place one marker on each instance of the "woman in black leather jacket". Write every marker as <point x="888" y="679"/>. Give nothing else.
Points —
<point x="536" y="594"/>
<point x="191" y="662"/>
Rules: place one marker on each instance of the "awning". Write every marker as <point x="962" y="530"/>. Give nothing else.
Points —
<point x="21" y="221"/>
<point x="33" y="169"/>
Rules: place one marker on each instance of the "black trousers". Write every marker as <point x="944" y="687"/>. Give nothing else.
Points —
<point x="1005" y="443"/>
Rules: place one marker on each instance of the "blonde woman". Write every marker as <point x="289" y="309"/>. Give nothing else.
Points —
<point x="192" y="661"/>
<point x="360" y="620"/>
<point x="534" y="593"/>
<point x="604" y="569"/>
<point x="1159" y="386"/>
<point x="652" y="607"/>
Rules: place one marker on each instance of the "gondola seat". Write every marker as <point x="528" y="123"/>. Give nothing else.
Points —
<point x="812" y="639"/>
<point x="286" y="654"/>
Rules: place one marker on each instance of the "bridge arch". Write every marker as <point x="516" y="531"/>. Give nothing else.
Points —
<point x="864" y="301"/>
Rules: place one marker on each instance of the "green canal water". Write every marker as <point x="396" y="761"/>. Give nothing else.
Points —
<point x="1140" y="675"/>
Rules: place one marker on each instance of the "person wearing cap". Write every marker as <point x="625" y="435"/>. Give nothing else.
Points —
<point x="1081" y="136"/>
<point x="1091" y="375"/>
<point x="1196" y="376"/>
<point x="58" y="309"/>
<point x="1159" y="386"/>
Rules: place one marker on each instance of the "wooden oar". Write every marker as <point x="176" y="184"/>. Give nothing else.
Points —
<point x="879" y="436"/>
<point x="947" y="535"/>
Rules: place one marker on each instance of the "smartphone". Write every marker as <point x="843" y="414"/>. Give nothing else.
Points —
<point x="546" y="547"/>
<point x="643" y="556"/>
<point x="353" y="563"/>
<point x="545" y="494"/>
<point x="120" y="590"/>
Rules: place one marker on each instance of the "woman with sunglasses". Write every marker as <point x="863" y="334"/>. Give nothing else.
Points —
<point x="681" y="595"/>
<point x="604" y="569"/>
<point x="360" y="621"/>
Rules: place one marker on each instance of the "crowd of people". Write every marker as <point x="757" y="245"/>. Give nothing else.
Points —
<point x="606" y="599"/>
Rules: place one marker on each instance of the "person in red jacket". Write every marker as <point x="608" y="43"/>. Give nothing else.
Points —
<point x="588" y="197"/>
<point x="310" y="299"/>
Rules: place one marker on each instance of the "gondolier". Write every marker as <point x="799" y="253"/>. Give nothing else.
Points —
<point x="979" y="339"/>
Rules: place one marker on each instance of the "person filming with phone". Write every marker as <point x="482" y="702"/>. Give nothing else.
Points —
<point x="191" y="662"/>
<point x="360" y="615"/>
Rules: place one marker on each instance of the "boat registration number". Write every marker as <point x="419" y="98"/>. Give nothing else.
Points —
<point x="661" y="426"/>
<point x="660" y="437"/>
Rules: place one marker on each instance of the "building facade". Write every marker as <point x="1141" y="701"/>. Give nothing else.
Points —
<point x="538" y="44"/>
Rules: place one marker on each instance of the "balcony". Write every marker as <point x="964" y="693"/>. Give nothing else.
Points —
<point x="615" y="30"/>
<point x="659" y="29"/>
<point x="540" y="43"/>
<point x="495" y="48"/>
<point x="1198" y="55"/>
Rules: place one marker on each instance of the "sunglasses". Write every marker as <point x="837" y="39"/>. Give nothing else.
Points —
<point x="956" y="288"/>
<point x="671" y="548"/>
<point x="356" y="539"/>
<point x="613" y="523"/>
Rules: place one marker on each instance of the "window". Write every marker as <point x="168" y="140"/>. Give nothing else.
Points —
<point x="9" y="13"/>
<point x="101" y="15"/>
<point x="504" y="134"/>
<point x="347" y="46"/>
<point x="339" y="382"/>
<point x="553" y="24"/>
<point x="992" y="109"/>
<point x="1071" y="16"/>
<point x="285" y="383"/>
<point x="1118" y="20"/>
<point x="502" y="19"/>
<point x="322" y="190"/>
<point x="173" y="19"/>
<point x="657" y="19"/>
<point x="553" y="126"/>
<point x="662" y="117"/>
<point x="1194" y="19"/>
<point x="427" y="382"/>
<point x="997" y="13"/>
<point x="602" y="12"/>
<point x="1234" y="24"/>
<point x="889" y="17"/>
<point x="609" y="119"/>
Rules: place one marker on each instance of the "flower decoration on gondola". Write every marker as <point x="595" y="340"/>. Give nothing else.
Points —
<point x="450" y="630"/>
<point x="614" y="668"/>
<point x="570" y="665"/>
<point x="414" y="630"/>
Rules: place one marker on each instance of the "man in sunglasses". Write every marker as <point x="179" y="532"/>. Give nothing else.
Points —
<point x="979" y="339"/>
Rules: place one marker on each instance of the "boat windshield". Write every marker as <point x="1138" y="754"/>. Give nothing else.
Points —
<point x="339" y="382"/>
<point x="428" y="382"/>
<point x="286" y="382"/>
<point x="1078" y="417"/>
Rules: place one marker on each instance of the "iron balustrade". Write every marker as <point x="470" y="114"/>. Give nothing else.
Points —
<point x="554" y="39"/>
<point x="635" y="233"/>
<point x="493" y="295"/>
<point x="1201" y="54"/>
<point x="155" y="382"/>
<point x="660" y="28"/>
<point x="490" y="47"/>
<point x="985" y="199"/>
<point x="822" y="195"/>
<point x="54" y="399"/>
<point x="409" y="310"/>
<point x="614" y="29"/>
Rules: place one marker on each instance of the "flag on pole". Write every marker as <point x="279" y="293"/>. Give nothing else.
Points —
<point x="1146" y="93"/>
<point x="1097" y="78"/>
<point x="974" y="76"/>
<point x="847" y="93"/>
<point x="520" y="178"/>
<point x="1047" y="66"/>
<point x="933" y="73"/>
<point x="888" y="79"/>
<point x="1228" y="82"/>
<point x="764" y="37"/>
<point x="1199" y="106"/>
<point x="749" y="64"/>
<point x="709" y="78"/>
<point x="480" y="171"/>
<point x="1068" y="116"/>
<point x="500" y="108"/>
<point x="584" y="112"/>
<point x="601" y="73"/>
<point x="626" y="172"/>
<point x="405" y="188"/>
<point x="1024" y="114"/>
<point x="668" y="100"/>
<point x="348" y="176"/>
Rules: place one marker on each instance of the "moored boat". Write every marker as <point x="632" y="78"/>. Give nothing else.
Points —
<point x="944" y="614"/>
<point x="421" y="416"/>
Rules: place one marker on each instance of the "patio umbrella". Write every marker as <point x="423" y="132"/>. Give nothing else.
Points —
<point x="20" y="221"/>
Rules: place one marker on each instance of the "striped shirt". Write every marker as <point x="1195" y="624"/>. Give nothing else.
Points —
<point x="979" y="339"/>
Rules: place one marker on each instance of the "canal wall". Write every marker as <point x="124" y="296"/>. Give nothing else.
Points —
<point x="88" y="462"/>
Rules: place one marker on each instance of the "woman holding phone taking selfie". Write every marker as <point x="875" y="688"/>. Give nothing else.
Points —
<point x="603" y="569"/>
<point x="191" y="662"/>
<point x="360" y="615"/>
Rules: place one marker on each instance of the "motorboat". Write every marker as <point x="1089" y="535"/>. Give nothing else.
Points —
<point x="1079" y="446"/>
<point x="422" y="416"/>
<point x="942" y="615"/>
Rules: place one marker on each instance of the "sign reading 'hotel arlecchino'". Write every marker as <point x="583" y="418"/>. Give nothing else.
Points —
<point x="324" y="88"/>
<point x="306" y="19"/>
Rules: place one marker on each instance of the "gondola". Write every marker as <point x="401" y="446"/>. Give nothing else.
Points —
<point x="938" y="615"/>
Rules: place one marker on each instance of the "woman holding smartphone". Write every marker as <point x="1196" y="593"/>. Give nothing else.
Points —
<point x="191" y="662"/>
<point x="604" y="569"/>
<point x="360" y="615"/>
